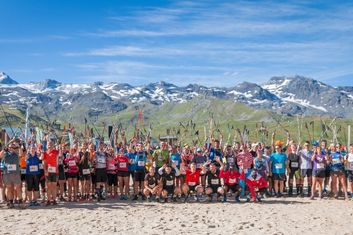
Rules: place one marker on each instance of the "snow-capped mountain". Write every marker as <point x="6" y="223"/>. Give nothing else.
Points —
<point x="5" y="79"/>
<point x="286" y="95"/>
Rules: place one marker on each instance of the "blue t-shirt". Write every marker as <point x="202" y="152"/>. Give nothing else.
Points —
<point x="32" y="165"/>
<point x="175" y="158"/>
<point x="215" y="152"/>
<point x="278" y="163"/>
<point x="336" y="164"/>
<point x="132" y="165"/>
<point x="140" y="160"/>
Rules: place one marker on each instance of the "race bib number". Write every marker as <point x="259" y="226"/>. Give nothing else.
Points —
<point x="192" y="183"/>
<point x="175" y="162"/>
<point x="41" y="166"/>
<point x="278" y="166"/>
<point x="122" y="164"/>
<point x="86" y="171"/>
<point x="33" y="168"/>
<point x="215" y="181"/>
<point x="51" y="169"/>
<point x="231" y="160"/>
<point x="11" y="167"/>
<point x="141" y="163"/>
<point x="320" y="166"/>
<point x="101" y="160"/>
<point x="232" y="181"/>
<point x="336" y="161"/>
<point x="351" y="165"/>
<point x="199" y="165"/>
<point x="294" y="164"/>
<point x="23" y="171"/>
<point x="160" y="158"/>
<point x="170" y="183"/>
<point x="72" y="163"/>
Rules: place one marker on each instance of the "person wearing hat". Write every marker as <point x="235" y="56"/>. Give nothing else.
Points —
<point x="199" y="160"/>
<point x="278" y="165"/>
<point x="11" y="173"/>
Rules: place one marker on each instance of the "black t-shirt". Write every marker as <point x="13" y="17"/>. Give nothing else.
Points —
<point x="293" y="161"/>
<point x="168" y="179"/>
<point x="152" y="181"/>
<point x="213" y="179"/>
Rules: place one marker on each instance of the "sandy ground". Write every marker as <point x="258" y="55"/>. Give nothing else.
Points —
<point x="273" y="216"/>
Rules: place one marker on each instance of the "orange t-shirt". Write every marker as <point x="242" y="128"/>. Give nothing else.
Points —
<point x="51" y="156"/>
<point x="23" y="161"/>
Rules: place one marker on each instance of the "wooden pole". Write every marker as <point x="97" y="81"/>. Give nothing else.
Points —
<point x="349" y="136"/>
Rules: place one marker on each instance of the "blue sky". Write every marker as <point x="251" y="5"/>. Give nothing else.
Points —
<point x="215" y="43"/>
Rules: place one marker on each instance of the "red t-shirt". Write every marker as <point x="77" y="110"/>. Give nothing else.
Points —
<point x="230" y="178"/>
<point x="71" y="161"/>
<point x="51" y="158"/>
<point x="192" y="179"/>
<point x="122" y="163"/>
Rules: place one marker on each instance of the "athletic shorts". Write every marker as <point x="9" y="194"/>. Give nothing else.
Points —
<point x="71" y="175"/>
<point x="123" y="174"/>
<point x="306" y="172"/>
<point x="32" y="182"/>
<point x="23" y="176"/>
<point x="279" y="177"/>
<point x="84" y="177"/>
<point x="350" y="176"/>
<point x="61" y="173"/>
<point x="139" y="176"/>
<point x="319" y="173"/>
<point x="93" y="178"/>
<point x="42" y="181"/>
<point x="52" y="178"/>
<point x="112" y="180"/>
<point x="233" y="188"/>
<point x="101" y="175"/>
<point x="170" y="190"/>
<point x="214" y="188"/>
<point x="327" y="172"/>
<point x="294" y="173"/>
<point x="10" y="179"/>
<point x="193" y="187"/>
<point x="337" y="173"/>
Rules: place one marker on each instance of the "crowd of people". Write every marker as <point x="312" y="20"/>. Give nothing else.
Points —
<point x="34" y="174"/>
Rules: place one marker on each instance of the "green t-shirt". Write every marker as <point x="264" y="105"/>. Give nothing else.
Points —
<point x="161" y="157"/>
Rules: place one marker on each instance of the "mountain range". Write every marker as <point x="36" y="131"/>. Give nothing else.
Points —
<point x="297" y="95"/>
